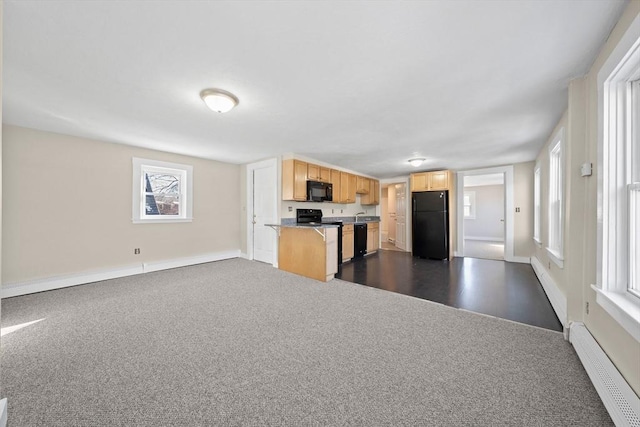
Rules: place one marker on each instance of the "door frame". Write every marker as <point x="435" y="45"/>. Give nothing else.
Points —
<point x="408" y="219"/>
<point x="508" y="209"/>
<point x="251" y="167"/>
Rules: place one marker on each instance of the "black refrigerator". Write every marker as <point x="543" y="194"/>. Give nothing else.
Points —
<point x="430" y="224"/>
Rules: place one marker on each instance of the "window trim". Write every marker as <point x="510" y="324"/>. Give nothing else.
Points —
<point x="137" y="205"/>
<point x="555" y="243"/>
<point x="622" y="66"/>
<point x="472" y="204"/>
<point x="537" y="205"/>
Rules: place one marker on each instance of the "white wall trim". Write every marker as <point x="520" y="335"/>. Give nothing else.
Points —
<point x="485" y="238"/>
<point x="617" y="396"/>
<point x="521" y="259"/>
<point x="58" y="282"/>
<point x="3" y="412"/>
<point x="183" y="262"/>
<point x="556" y="297"/>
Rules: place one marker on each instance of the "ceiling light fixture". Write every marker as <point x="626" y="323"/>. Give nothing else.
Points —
<point x="416" y="162"/>
<point x="219" y="100"/>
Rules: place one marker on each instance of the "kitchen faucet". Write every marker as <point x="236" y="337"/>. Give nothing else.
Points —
<point x="359" y="213"/>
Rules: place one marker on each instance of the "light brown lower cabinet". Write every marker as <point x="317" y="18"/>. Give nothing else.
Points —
<point x="309" y="252"/>
<point x="347" y="242"/>
<point x="373" y="237"/>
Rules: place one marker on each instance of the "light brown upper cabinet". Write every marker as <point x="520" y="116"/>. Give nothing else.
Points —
<point x="347" y="188"/>
<point x="373" y="198"/>
<point x="431" y="181"/>
<point x="335" y="182"/>
<point x="294" y="180"/>
<point x="318" y="173"/>
<point x="362" y="185"/>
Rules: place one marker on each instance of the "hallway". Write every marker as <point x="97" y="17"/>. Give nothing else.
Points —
<point x="497" y="288"/>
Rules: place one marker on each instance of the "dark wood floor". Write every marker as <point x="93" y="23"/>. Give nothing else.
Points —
<point x="497" y="288"/>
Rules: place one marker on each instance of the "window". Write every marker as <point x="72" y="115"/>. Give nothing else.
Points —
<point x="556" y="199"/>
<point x="162" y="192"/>
<point x="618" y="262"/>
<point x="536" y="204"/>
<point x="633" y="188"/>
<point x="469" y="205"/>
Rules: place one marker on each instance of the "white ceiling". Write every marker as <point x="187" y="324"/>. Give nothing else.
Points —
<point x="361" y="85"/>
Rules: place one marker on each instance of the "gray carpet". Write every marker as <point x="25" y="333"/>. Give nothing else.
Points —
<point x="241" y="343"/>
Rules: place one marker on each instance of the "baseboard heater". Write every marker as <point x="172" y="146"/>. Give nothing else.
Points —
<point x="620" y="400"/>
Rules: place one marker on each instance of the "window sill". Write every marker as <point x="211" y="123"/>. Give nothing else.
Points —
<point x="555" y="257"/>
<point x="622" y="308"/>
<point x="537" y="242"/>
<point x="160" y="221"/>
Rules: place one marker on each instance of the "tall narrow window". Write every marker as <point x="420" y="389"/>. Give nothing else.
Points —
<point x="633" y="188"/>
<point x="556" y="199"/>
<point x="536" y="204"/>
<point x="618" y="262"/>
<point x="161" y="191"/>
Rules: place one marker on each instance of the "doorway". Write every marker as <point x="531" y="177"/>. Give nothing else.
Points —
<point x="483" y="211"/>
<point x="262" y="208"/>
<point x="509" y="209"/>
<point x="393" y="219"/>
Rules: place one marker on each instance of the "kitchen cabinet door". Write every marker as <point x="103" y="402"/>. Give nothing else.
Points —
<point x="335" y="182"/>
<point x="347" y="188"/>
<point x="439" y="180"/>
<point x="362" y="185"/>
<point x="313" y="172"/>
<point x="373" y="198"/>
<point x="325" y="174"/>
<point x="419" y="182"/>
<point x="373" y="236"/>
<point x="347" y="242"/>
<point x="294" y="180"/>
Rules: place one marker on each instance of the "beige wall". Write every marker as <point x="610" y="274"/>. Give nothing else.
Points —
<point x="523" y="199"/>
<point x="68" y="207"/>
<point x="489" y="219"/>
<point x="579" y="272"/>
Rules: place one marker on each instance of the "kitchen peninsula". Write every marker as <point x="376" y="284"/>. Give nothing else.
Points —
<point x="309" y="250"/>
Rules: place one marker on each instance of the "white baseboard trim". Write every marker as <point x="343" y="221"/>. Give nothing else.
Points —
<point x="47" y="284"/>
<point x="555" y="295"/>
<point x="484" y="238"/>
<point x="183" y="262"/>
<point x="520" y="259"/>
<point x="3" y="412"/>
<point x="620" y="400"/>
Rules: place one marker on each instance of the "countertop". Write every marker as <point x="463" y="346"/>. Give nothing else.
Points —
<point x="291" y="222"/>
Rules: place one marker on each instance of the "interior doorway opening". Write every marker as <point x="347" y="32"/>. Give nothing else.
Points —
<point x="393" y="217"/>
<point x="483" y="212"/>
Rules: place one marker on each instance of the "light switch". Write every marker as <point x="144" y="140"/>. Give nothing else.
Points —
<point x="585" y="169"/>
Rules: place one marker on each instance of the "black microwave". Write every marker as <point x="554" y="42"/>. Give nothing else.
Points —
<point x="319" y="191"/>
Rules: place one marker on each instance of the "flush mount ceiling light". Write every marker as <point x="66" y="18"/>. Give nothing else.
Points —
<point x="416" y="162"/>
<point x="219" y="100"/>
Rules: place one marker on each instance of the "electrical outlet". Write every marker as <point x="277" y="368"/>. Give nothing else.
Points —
<point x="549" y="265"/>
<point x="586" y="307"/>
<point x="136" y="251"/>
<point x="517" y="209"/>
<point x="331" y="210"/>
<point x="290" y="208"/>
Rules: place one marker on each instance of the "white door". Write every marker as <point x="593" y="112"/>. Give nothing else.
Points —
<point x="401" y="217"/>
<point x="264" y="212"/>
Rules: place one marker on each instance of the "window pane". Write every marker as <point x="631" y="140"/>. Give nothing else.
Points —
<point x="467" y="210"/>
<point x="162" y="194"/>
<point x="634" y="238"/>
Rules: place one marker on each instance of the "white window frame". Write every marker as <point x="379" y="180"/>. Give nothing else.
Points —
<point x="140" y="166"/>
<point x="614" y="181"/>
<point x="555" y="232"/>
<point x="472" y="204"/>
<point x="537" y="206"/>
